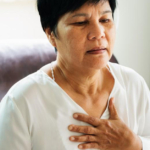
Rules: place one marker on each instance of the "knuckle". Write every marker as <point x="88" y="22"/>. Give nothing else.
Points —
<point x="104" y="146"/>
<point x="76" y="138"/>
<point x="106" y="132"/>
<point x="106" y="142"/>
<point x="88" y="138"/>
<point x="93" y="145"/>
<point x="107" y="124"/>
<point x="80" y="116"/>
<point x="104" y="122"/>
<point x="114" y="130"/>
<point x="91" y="119"/>
<point x="87" y="146"/>
<point x="87" y="129"/>
<point x="90" y="130"/>
<point x="77" y="129"/>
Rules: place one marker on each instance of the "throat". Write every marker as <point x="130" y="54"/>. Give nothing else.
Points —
<point x="85" y="90"/>
<point x="83" y="85"/>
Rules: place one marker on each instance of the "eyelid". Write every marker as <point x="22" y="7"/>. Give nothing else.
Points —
<point x="85" y="22"/>
<point x="81" y="22"/>
<point x="105" y="20"/>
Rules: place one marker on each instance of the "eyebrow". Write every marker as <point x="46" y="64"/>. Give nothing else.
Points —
<point x="86" y="15"/>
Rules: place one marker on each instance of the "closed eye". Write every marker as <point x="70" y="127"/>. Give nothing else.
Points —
<point x="86" y="22"/>
<point x="105" y="20"/>
<point x="81" y="23"/>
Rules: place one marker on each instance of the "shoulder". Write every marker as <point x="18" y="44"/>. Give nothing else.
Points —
<point x="28" y="95"/>
<point x="29" y="87"/>
<point x="123" y="69"/>
<point x="28" y="83"/>
<point x="126" y="75"/>
<point x="133" y="84"/>
<point x="21" y="104"/>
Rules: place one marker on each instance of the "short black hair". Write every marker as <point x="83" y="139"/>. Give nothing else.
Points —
<point x="51" y="10"/>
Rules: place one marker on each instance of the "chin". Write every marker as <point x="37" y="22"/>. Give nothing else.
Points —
<point x="98" y="65"/>
<point x="97" y="62"/>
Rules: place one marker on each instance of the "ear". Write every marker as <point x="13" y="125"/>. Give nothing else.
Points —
<point x="51" y="37"/>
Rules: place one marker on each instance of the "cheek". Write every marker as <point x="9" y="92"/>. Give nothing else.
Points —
<point x="75" y="39"/>
<point x="71" y="41"/>
<point x="111" y="36"/>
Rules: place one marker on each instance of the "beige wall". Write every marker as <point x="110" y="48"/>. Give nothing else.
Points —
<point x="133" y="36"/>
<point x="20" y="20"/>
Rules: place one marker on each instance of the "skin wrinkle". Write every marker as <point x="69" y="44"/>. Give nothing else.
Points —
<point x="88" y="80"/>
<point x="127" y="139"/>
<point x="67" y="29"/>
<point x="86" y="15"/>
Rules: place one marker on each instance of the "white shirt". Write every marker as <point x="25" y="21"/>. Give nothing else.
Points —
<point x="36" y="112"/>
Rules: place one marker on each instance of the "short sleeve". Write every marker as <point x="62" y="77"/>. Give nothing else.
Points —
<point x="14" y="134"/>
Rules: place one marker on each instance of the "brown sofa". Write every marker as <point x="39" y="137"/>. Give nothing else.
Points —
<point x="19" y="58"/>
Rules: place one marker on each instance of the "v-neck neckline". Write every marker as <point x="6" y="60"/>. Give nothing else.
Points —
<point x="105" y="113"/>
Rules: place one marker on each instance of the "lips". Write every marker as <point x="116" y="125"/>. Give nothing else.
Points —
<point x="97" y="50"/>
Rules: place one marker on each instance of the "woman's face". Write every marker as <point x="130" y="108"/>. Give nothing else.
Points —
<point x="86" y="37"/>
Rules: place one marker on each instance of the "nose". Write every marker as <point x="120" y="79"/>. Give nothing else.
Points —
<point x="96" y="32"/>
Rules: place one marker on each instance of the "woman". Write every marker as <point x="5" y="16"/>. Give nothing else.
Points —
<point x="80" y="101"/>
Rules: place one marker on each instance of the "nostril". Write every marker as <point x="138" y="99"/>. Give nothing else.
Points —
<point x="97" y="34"/>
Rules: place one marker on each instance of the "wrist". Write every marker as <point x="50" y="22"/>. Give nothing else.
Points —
<point x="136" y="143"/>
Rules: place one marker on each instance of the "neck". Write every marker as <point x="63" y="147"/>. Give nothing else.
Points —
<point x="83" y="81"/>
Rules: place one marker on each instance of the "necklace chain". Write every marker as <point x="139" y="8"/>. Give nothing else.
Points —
<point x="52" y="72"/>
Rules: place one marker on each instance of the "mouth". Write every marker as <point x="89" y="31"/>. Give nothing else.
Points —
<point x="97" y="50"/>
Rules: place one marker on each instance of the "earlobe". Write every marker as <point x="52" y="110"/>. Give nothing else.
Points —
<point x="52" y="39"/>
<point x="50" y="36"/>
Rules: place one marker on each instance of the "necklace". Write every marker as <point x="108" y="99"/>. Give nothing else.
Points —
<point x="52" y="72"/>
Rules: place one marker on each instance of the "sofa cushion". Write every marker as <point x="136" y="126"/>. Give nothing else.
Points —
<point x="19" y="58"/>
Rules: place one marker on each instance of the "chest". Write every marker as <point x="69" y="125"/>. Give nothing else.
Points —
<point x="93" y="106"/>
<point x="58" y="117"/>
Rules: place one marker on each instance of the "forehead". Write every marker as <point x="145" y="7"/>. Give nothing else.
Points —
<point x="88" y="9"/>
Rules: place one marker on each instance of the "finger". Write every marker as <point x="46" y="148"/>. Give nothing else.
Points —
<point x="84" y="138"/>
<point x="88" y="138"/>
<point x="83" y="129"/>
<point x="86" y="118"/>
<point x="112" y="110"/>
<point x="102" y="145"/>
<point x="89" y="146"/>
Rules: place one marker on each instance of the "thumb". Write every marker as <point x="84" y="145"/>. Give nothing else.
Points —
<point x="112" y="110"/>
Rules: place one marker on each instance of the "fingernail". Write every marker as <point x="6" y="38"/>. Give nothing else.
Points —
<point x="75" y="116"/>
<point x="112" y="99"/>
<point x="72" y="138"/>
<point x="80" y="146"/>
<point x="70" y="127"/>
